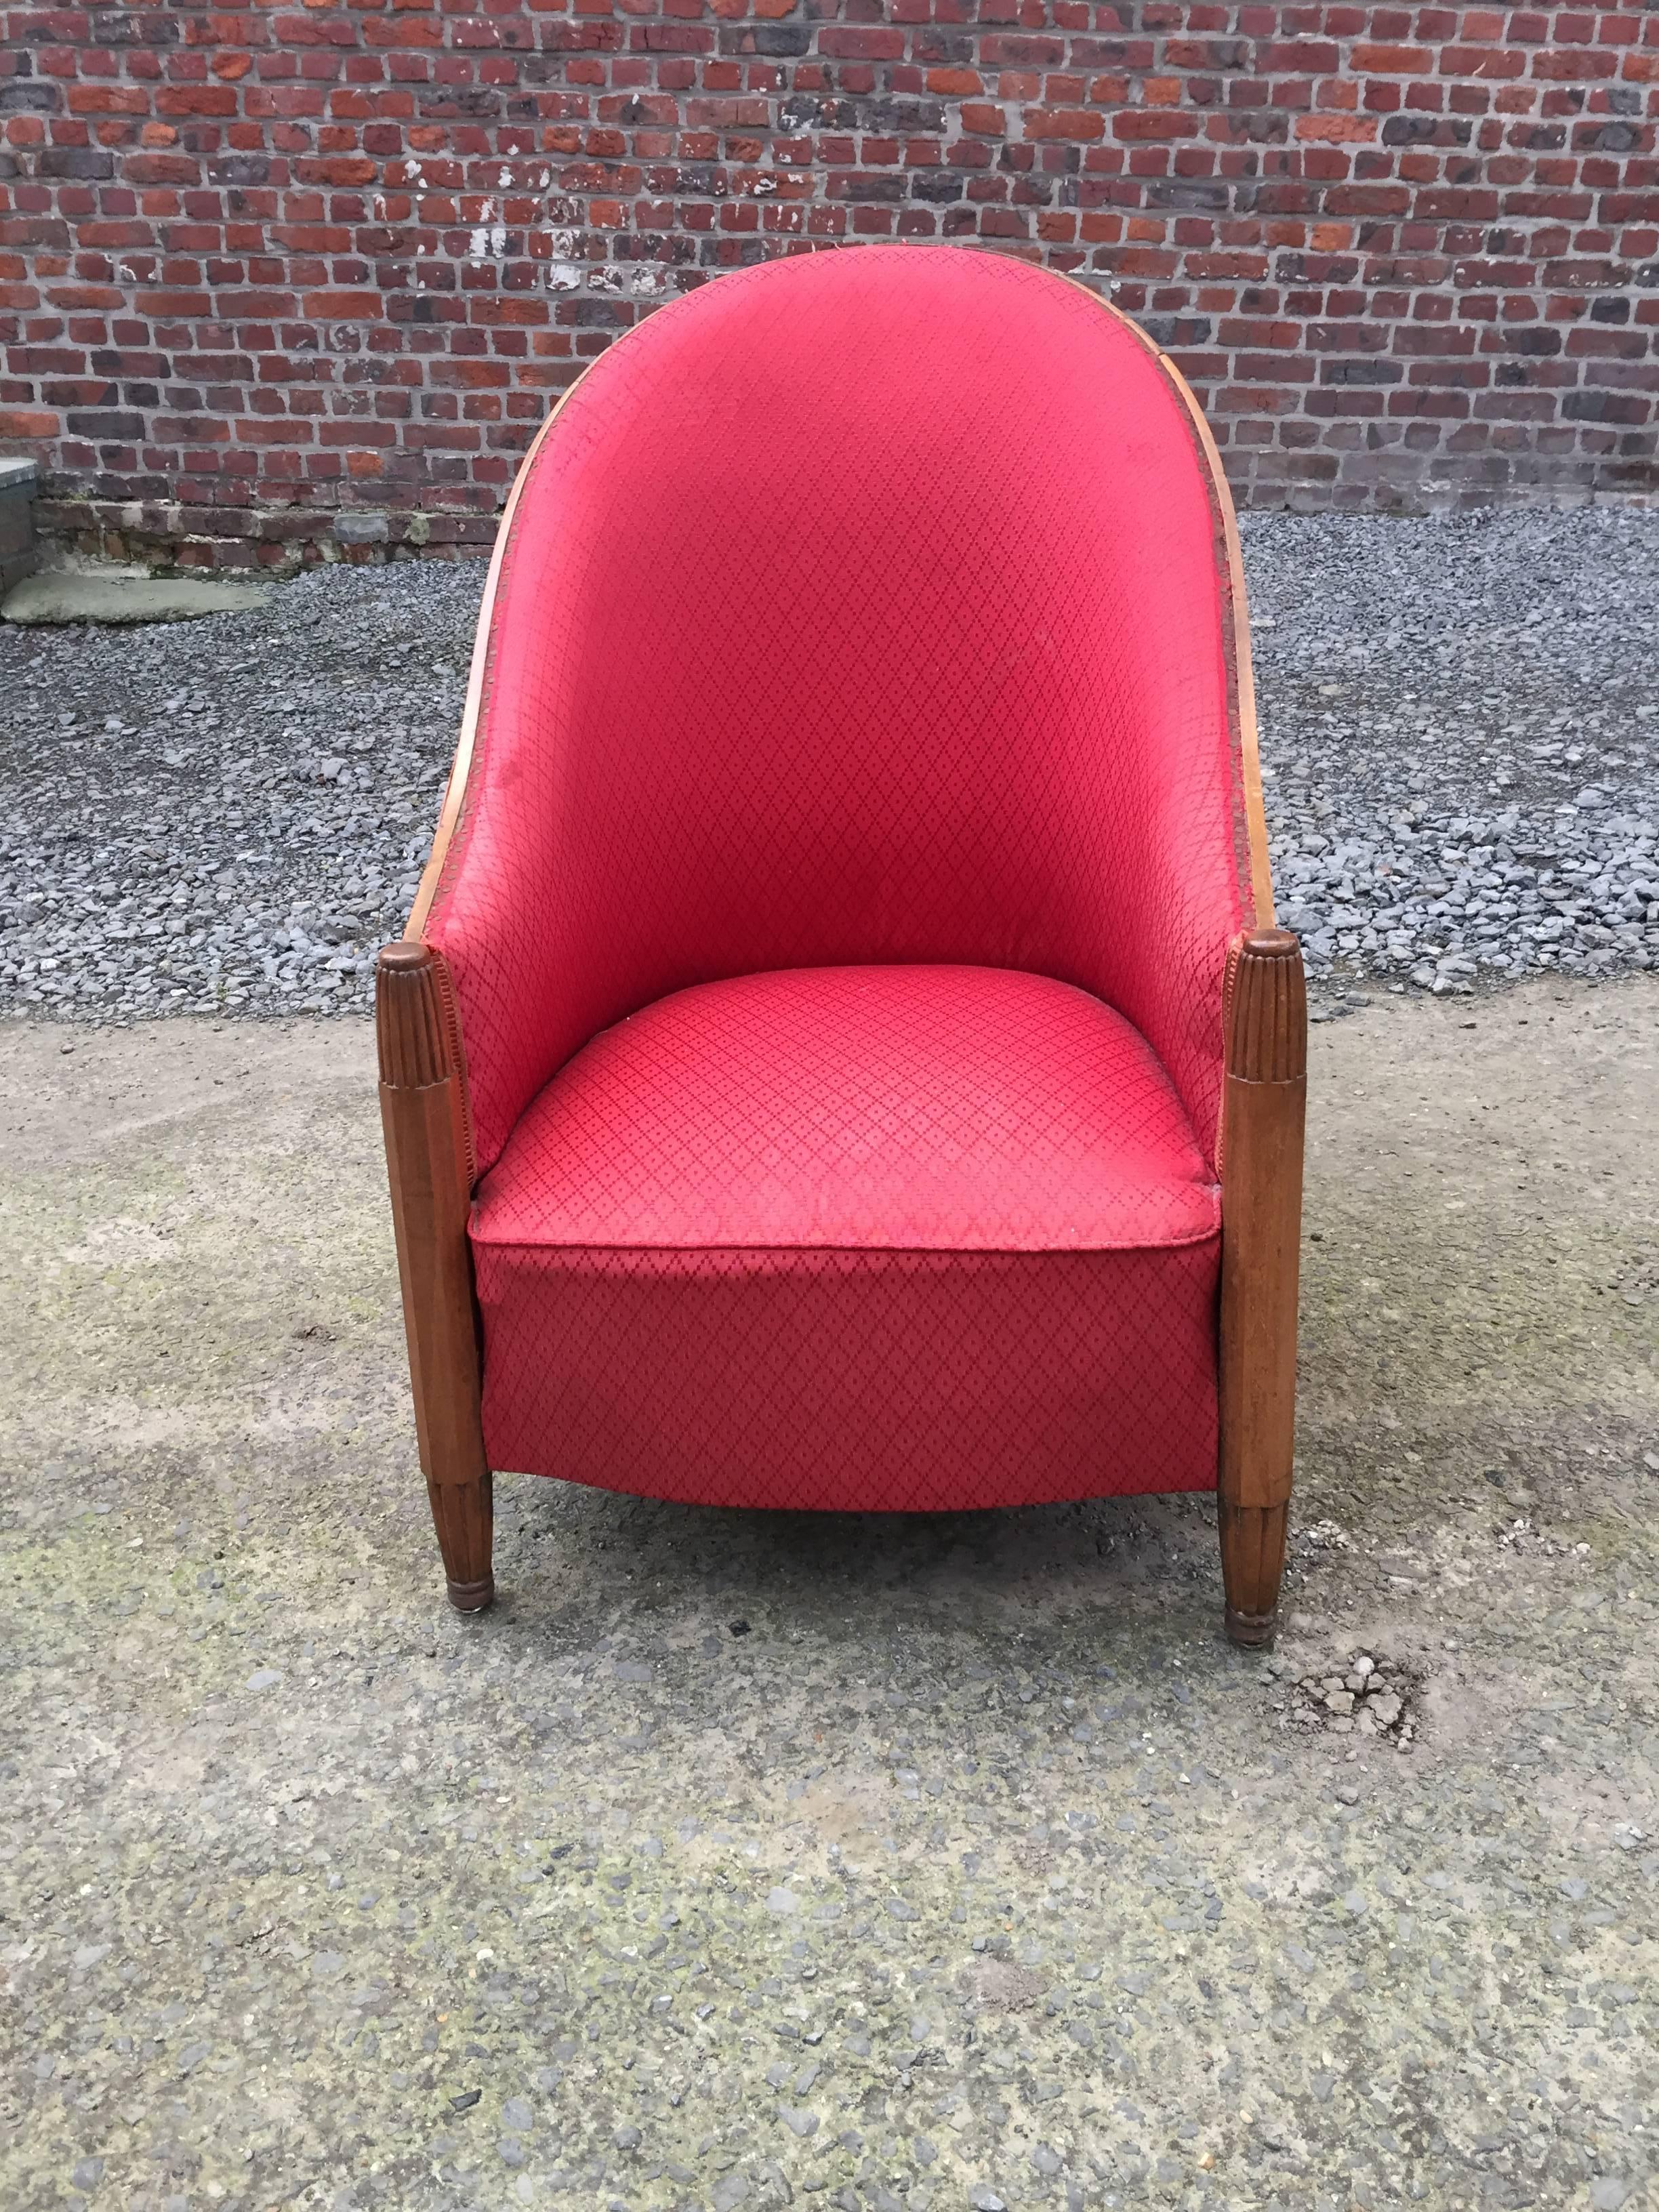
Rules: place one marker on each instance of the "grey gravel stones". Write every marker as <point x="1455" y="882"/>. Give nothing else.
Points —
<point x="1460" y="746"/>
<point x="1609" y="2193"/>
<point x="230" y="816"/>
<point x="1461" y="742"/>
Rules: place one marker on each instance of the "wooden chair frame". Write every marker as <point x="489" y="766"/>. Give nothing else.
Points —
<point x="429" y="1161"/>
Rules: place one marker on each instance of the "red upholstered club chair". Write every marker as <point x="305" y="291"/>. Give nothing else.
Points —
<point x="841" y="1056"/>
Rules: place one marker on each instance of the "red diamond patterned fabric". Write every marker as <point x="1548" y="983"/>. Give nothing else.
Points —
<point x="944" y="1109"/>
<point x="861" y="607"/>
<point x="863" y="611"/>
<point x="904" y="1237"/>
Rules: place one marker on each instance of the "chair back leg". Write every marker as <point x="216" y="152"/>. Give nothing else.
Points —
<point x="1263" y="1113"/>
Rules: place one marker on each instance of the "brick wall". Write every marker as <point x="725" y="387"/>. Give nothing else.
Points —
<point x="300" y="279"/>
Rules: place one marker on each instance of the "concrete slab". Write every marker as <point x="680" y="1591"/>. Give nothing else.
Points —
<point x="752" y="1860"/>
<point x="72" y="596"/>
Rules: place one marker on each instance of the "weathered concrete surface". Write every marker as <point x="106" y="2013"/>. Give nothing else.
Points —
<point x="72" y="595"/>
<point x="737" y="1858"/>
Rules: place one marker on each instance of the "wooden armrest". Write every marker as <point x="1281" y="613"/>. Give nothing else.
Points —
<point x="429" y="1166"/>
<point x="1263" y="1112"/>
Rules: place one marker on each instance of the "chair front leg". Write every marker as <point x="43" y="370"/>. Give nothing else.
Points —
<point x="1262" y="1132"/>
<point x="423" y="1113"/>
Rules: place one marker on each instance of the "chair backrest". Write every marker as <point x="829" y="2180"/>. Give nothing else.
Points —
<point x="872" y="605"/>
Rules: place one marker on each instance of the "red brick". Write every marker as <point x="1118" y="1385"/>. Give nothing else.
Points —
<point x="1334" y="130"/>
<point x="1070" y="122"/>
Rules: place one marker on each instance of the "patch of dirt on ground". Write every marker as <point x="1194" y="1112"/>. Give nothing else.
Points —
<point x="1375" y="1702"/>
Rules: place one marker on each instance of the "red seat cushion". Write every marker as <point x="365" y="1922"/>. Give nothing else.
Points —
<point x="878" y="1236"/>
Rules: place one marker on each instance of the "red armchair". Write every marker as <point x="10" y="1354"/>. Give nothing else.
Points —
<point x="840" y="1056"/>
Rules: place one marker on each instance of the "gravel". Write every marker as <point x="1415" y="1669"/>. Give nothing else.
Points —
<point x="1461" y="744"/>
<point x="230" y="815"/>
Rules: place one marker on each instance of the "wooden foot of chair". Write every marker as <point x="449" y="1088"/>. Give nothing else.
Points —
<point x="1252" y="1567"/>
<point x="1262" y="1114"/>
<point x="463" y="1513"/>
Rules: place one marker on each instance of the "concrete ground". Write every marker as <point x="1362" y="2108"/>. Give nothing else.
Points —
<point x="746" y="1860"/>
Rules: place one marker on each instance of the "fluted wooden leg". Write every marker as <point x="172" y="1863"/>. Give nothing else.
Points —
<point x="1252" y="1566"/>
<point x="1262" y="1117"/>
<point x="424" y="1113"/>
<point x="463" y="1515"/>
